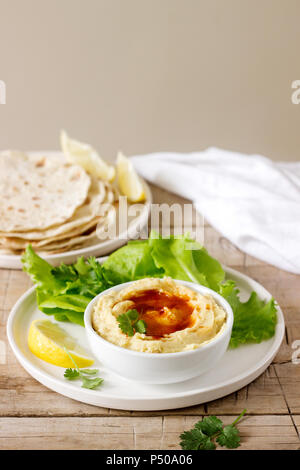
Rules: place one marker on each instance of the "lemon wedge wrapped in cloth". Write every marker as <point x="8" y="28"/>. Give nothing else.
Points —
<point x="128" y="180"/>
<point x="49" y="342"/>
<point x="85" y="156"/>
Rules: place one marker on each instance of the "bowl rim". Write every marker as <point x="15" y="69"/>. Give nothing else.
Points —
<point x="142" y="354"/>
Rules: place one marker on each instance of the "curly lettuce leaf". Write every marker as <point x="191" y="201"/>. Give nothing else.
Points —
<point x="40" y="271"/>
<point x="183" y="258"/>
<point x="66" y="290"/>
<point x="131" y="262"/>
<point x="254" y="320"/>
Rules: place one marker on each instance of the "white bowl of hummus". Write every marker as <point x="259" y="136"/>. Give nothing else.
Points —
<point x="187" y="329"/>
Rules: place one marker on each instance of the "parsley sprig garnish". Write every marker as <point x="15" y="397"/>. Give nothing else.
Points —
<point x="129" y="323"/>
<point x="211" y="429"/>
<point x="83" y="374"/>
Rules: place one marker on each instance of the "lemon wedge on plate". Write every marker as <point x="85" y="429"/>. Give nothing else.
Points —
<point x="85" y="156"/>
<point x="128" y="180"/>
<point x="48" y="341"/>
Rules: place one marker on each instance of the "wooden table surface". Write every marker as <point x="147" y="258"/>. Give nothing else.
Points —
<point x="33" y="417"/>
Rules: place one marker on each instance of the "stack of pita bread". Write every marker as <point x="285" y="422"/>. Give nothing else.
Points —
<point x="51" y="203"/>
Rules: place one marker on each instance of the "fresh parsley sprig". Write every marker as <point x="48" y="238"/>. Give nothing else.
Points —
<point x="129" y="323"/>
<point x="83" y="374"/>
<point x="211" y="429"/>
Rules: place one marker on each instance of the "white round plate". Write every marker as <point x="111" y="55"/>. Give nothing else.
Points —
<point x="237" y="368"/>
<point x="96" y="249"/>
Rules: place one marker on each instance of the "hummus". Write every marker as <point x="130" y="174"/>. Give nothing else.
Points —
<point x="177" y="317"/>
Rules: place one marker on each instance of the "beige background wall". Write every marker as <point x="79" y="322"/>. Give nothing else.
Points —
<point x="147" y="75"/>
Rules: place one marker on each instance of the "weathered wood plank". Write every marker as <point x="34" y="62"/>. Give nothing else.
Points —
<point x="251" y="261"/>
<point x="222" y="249"/>
<point x="296" y="419"/>
<point x="80" y="433"/>
<point x="257" y="432"/>
<point x="18" y="283"/>
<point x="263" y="396"/>
<point x="289" y="378"/>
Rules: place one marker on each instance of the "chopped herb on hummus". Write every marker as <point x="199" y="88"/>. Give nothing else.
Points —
<point x="129" y="323"/>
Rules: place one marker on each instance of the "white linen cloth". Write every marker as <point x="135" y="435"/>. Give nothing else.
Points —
<point x="251" y="200"/>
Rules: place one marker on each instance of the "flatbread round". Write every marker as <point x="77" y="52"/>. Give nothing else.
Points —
<point x="38" y="192"/>
<point x="98" y="193"/>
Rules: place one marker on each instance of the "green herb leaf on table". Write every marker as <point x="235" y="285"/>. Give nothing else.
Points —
<point x="210" y="425"/>
<point x="129" y="323"/>
<point x="204" y="434"/>
<point x="229" y="437"/>
<point x="195" y="439"/>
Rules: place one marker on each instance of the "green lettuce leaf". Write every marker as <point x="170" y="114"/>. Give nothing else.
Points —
<point x="66" y="290"/>
<point x="254" y="320"/>
<point x="41" y="272"/>
<point x="187" y="260"/>
<point x="131" y="262"/>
